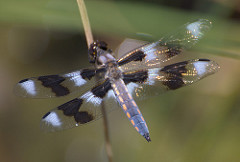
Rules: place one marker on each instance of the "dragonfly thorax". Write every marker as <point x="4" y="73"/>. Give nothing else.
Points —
<point x="104" y="57"/>
<point x="113" y="72"/>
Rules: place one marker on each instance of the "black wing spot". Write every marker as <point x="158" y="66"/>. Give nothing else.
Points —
<point x="139" y="76"/>
<point x="46" y="115"/>
<point x="135" y="56"/>
<point x="88" y="73"/>
<point x="71" y="108"/>
<point x="83" y="117"/>
<point x="24" y="80"/>
<point x="173" y="50"/>
<point x="203" y="60"/>
<point x="139" y="55"/>
<point x="54" y="82"/>
<point x="102" y="89"/>
<point x="173" y="82"/>
<point x="173" y="74"/>
<point x="176" y="69"/>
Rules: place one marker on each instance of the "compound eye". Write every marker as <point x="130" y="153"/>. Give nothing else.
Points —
<point x="92" y="52"/>
<point x="102" y="45"/>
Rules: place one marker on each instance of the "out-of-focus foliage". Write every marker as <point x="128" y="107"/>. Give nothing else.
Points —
<point x="197" y="123"/>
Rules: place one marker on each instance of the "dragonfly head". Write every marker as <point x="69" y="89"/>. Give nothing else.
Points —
<point x="95" y="49"/>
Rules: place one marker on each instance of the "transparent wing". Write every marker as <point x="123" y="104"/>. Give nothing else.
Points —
<point x="79" y="111"/>
<point x="144" y="55"/>
<point x="58" y="85"/>
<point x="158" y="80"/>
<point x="128" y="45"/>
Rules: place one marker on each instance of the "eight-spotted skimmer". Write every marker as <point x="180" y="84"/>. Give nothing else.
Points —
<point x="137" y="72"/>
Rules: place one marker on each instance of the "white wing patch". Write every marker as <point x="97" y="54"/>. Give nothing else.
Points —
<point x="110" y="94"/>
<point x="29" y="87"/>
<point x="131" y="87"/>
<point x="76" y="78"/>
<point x="153" y="74"/>
<point x="150" y="51"/>
<point x="90" y="97"/>
<point x="200" y="66"/>
<point x="194" y="28"/>
<point x="198" y="28"/>
<point x="52" y="119"/>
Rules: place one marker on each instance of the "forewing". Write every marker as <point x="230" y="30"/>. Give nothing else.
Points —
<point x="158" y="80"/>
<point x="152" y="55"/>
<point x="79" y="111"/>
<point x="57" y="85"/>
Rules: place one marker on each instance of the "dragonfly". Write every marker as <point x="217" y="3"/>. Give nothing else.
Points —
<point x="133" y="71"/>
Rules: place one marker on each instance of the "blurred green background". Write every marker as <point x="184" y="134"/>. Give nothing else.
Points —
<point x="199" y="123"/>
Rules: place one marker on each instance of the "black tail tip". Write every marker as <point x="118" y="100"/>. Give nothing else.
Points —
<point x="146" y="136"/>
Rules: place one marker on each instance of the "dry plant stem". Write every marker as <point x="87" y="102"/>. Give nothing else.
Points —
<point x="85" y="21"/>
<point x="106" y="132"/>
<point x="89" y="38"/>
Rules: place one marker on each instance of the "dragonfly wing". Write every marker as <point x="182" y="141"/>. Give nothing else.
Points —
<point x="152" y="55"/>
<point x="57" y="85"/>
<point x="79" y="111"/>
<point x="154" y="81"/>
<point x="128" y="45"/>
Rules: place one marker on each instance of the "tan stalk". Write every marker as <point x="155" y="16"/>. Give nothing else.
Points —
<point x="89" y="38"/>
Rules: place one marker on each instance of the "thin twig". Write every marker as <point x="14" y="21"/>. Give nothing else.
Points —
<point x="89" y="38"/>
<point x="106" y="132"/>
<point x="85" y="21"/>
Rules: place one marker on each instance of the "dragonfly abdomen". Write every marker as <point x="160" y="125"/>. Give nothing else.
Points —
<point x="130" y="108"/>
